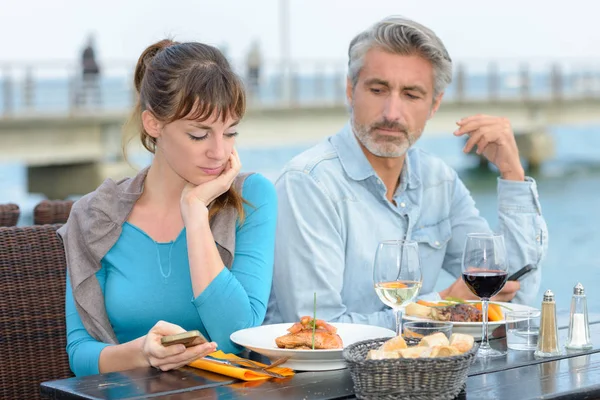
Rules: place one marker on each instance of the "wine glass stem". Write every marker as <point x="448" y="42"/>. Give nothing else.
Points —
<point x="398" y="314"/>
<point x="485" y="342"/>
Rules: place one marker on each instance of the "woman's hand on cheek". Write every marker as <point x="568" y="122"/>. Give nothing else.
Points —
<point x="196" y="199"/>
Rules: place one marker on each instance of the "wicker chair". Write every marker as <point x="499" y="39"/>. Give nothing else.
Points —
<point x="9" y="214"/>
<point x="32" y="310"/>
<point x="52" y="212"/>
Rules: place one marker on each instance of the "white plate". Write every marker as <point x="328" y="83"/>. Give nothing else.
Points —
<point x="474" y="328"/>
<point x="261" y="339"/>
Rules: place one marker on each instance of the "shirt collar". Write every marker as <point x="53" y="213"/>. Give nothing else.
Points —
<point x="357" y="166"/>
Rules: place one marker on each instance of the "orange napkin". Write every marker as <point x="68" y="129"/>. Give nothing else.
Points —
<point x="235" y="372"/>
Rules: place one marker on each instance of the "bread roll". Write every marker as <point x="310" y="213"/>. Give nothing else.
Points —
<point x="462" y="342"/>
<point x="418" y="310"/>
<point x="444" y="351"/>
<point x="436" y="339"/>
<point x="415" y="352"/>
<point x="381" y="354"/>
<point x="394" y="344"/>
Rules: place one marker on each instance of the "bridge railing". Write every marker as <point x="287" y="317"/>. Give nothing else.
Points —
<point x="58" y="87"/>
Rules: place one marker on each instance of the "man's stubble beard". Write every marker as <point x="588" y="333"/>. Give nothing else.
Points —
<point x="386" y="146"/>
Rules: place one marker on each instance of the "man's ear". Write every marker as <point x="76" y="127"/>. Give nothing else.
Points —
<point x="349" y="90"/>
<point x="151" y="124"/>
<point x="436" y="105"/>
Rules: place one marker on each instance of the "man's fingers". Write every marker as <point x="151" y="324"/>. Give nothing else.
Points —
<point x="511" y="287"/>
<point x="473" y="139"/>
<point x="482" y="144"/>
<point x="470" y="126"/>
<point x="508" y="292"/>
<point x="475" y="118"/>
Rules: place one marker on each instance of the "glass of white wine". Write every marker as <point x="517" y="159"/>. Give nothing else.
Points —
<point x="397" y="275"/>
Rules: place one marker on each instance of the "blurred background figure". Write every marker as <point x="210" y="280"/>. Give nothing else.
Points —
<point x="253" y="67"/>
<point x="89" y="93"/>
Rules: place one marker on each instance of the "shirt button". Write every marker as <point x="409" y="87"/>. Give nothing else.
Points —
<point x="537" y="238"/>
<point x="403" y="204"/>
<point x="437" y="243"/>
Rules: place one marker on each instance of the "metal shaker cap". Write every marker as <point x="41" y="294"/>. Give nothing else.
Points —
<point x="578" y="289"/>
<point x="548" y="295"/>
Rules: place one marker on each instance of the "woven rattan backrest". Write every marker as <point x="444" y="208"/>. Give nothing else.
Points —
<point x="52" y="212"/>
<point x="9" y="214"/>
<point x="32" y="310"/>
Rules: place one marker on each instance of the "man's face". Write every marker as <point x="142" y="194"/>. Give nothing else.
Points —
<point x="391" y="102"/>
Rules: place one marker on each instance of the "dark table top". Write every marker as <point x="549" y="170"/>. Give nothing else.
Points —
<point x="519" y="375"/>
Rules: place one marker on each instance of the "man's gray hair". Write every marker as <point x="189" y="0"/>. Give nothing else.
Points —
<point x="398" y="35"/>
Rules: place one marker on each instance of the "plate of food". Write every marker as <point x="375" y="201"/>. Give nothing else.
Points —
<point x="464" y="315"/>
<point x="295" y="340"/>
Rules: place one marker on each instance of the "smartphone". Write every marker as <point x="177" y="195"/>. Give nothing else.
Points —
<point x="188" y="339"/>
<point x="521" y="273"/>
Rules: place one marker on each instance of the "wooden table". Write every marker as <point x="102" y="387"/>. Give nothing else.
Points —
<point x="519" y="375"/>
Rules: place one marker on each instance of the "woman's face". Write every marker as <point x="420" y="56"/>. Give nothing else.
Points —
<point x="197" y="151"/>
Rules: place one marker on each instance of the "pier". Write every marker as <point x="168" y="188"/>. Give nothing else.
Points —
<point x="70" y="143"/>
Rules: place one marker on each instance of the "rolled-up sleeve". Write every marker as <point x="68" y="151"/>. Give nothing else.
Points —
<point x="525" y="232"/>
<point x="521" y="222"/>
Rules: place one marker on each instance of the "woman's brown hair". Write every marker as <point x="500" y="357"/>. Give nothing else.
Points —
<point x="186" y="80"/>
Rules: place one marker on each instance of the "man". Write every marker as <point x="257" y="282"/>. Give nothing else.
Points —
<point x="365" y="184"/>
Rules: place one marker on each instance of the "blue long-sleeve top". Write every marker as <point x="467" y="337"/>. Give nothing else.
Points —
<point x="144" y="281"/>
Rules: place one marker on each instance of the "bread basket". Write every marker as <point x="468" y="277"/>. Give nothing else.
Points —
<point x="406" y="378"/>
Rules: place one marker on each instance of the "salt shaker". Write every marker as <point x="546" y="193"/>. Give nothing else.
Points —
<point x="579" y="330"/>
<point x="548" y="337"/>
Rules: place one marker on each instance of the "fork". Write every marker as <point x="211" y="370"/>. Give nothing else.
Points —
<point x="252" y="366"/>
<point x="249" y="364"/>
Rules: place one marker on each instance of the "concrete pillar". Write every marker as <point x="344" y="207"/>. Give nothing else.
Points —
<point x="535" y="147"/>
<point x="294" y="87"/>
<point x="28" y="89"/>
<point x="319" y="82"/>
<point x="340" y="87"/>
<point x="556" y="83"/>
<point x="493" y="81"/>
<point x="525" y="80"/>
<point x="459" y="83"/>
<point x="61" y="181"/>
<point x="7" y="92"/>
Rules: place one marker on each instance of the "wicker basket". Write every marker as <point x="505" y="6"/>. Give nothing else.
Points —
<point x="406" y="378"/>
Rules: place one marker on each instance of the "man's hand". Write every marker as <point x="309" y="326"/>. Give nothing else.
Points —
<point x="495" y="139"/>
<point x="460" y="290"/>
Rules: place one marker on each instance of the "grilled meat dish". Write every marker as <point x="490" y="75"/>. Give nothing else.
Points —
<point x="456" y="313"/>
<point x="300" y="336"/>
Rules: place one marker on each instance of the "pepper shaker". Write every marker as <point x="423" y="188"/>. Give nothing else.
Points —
<point x="548" y="335"/>
<point x="579" y="329"/>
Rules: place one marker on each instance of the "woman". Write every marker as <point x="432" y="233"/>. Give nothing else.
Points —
<point x="187" y="243"/>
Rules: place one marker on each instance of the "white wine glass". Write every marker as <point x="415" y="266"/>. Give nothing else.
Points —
<point x="397" y="275"/>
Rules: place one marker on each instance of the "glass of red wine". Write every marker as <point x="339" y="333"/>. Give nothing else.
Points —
<point x="484" y="271"/>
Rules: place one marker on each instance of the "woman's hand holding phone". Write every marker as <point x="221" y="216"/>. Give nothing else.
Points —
<point x="174" y="356"/>
<point x="196" y="199"/>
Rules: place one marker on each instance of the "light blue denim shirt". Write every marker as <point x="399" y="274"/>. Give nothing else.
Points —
<point x="333" y="212"/>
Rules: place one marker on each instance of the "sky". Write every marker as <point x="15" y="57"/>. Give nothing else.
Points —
<point x="42" y="31"/>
